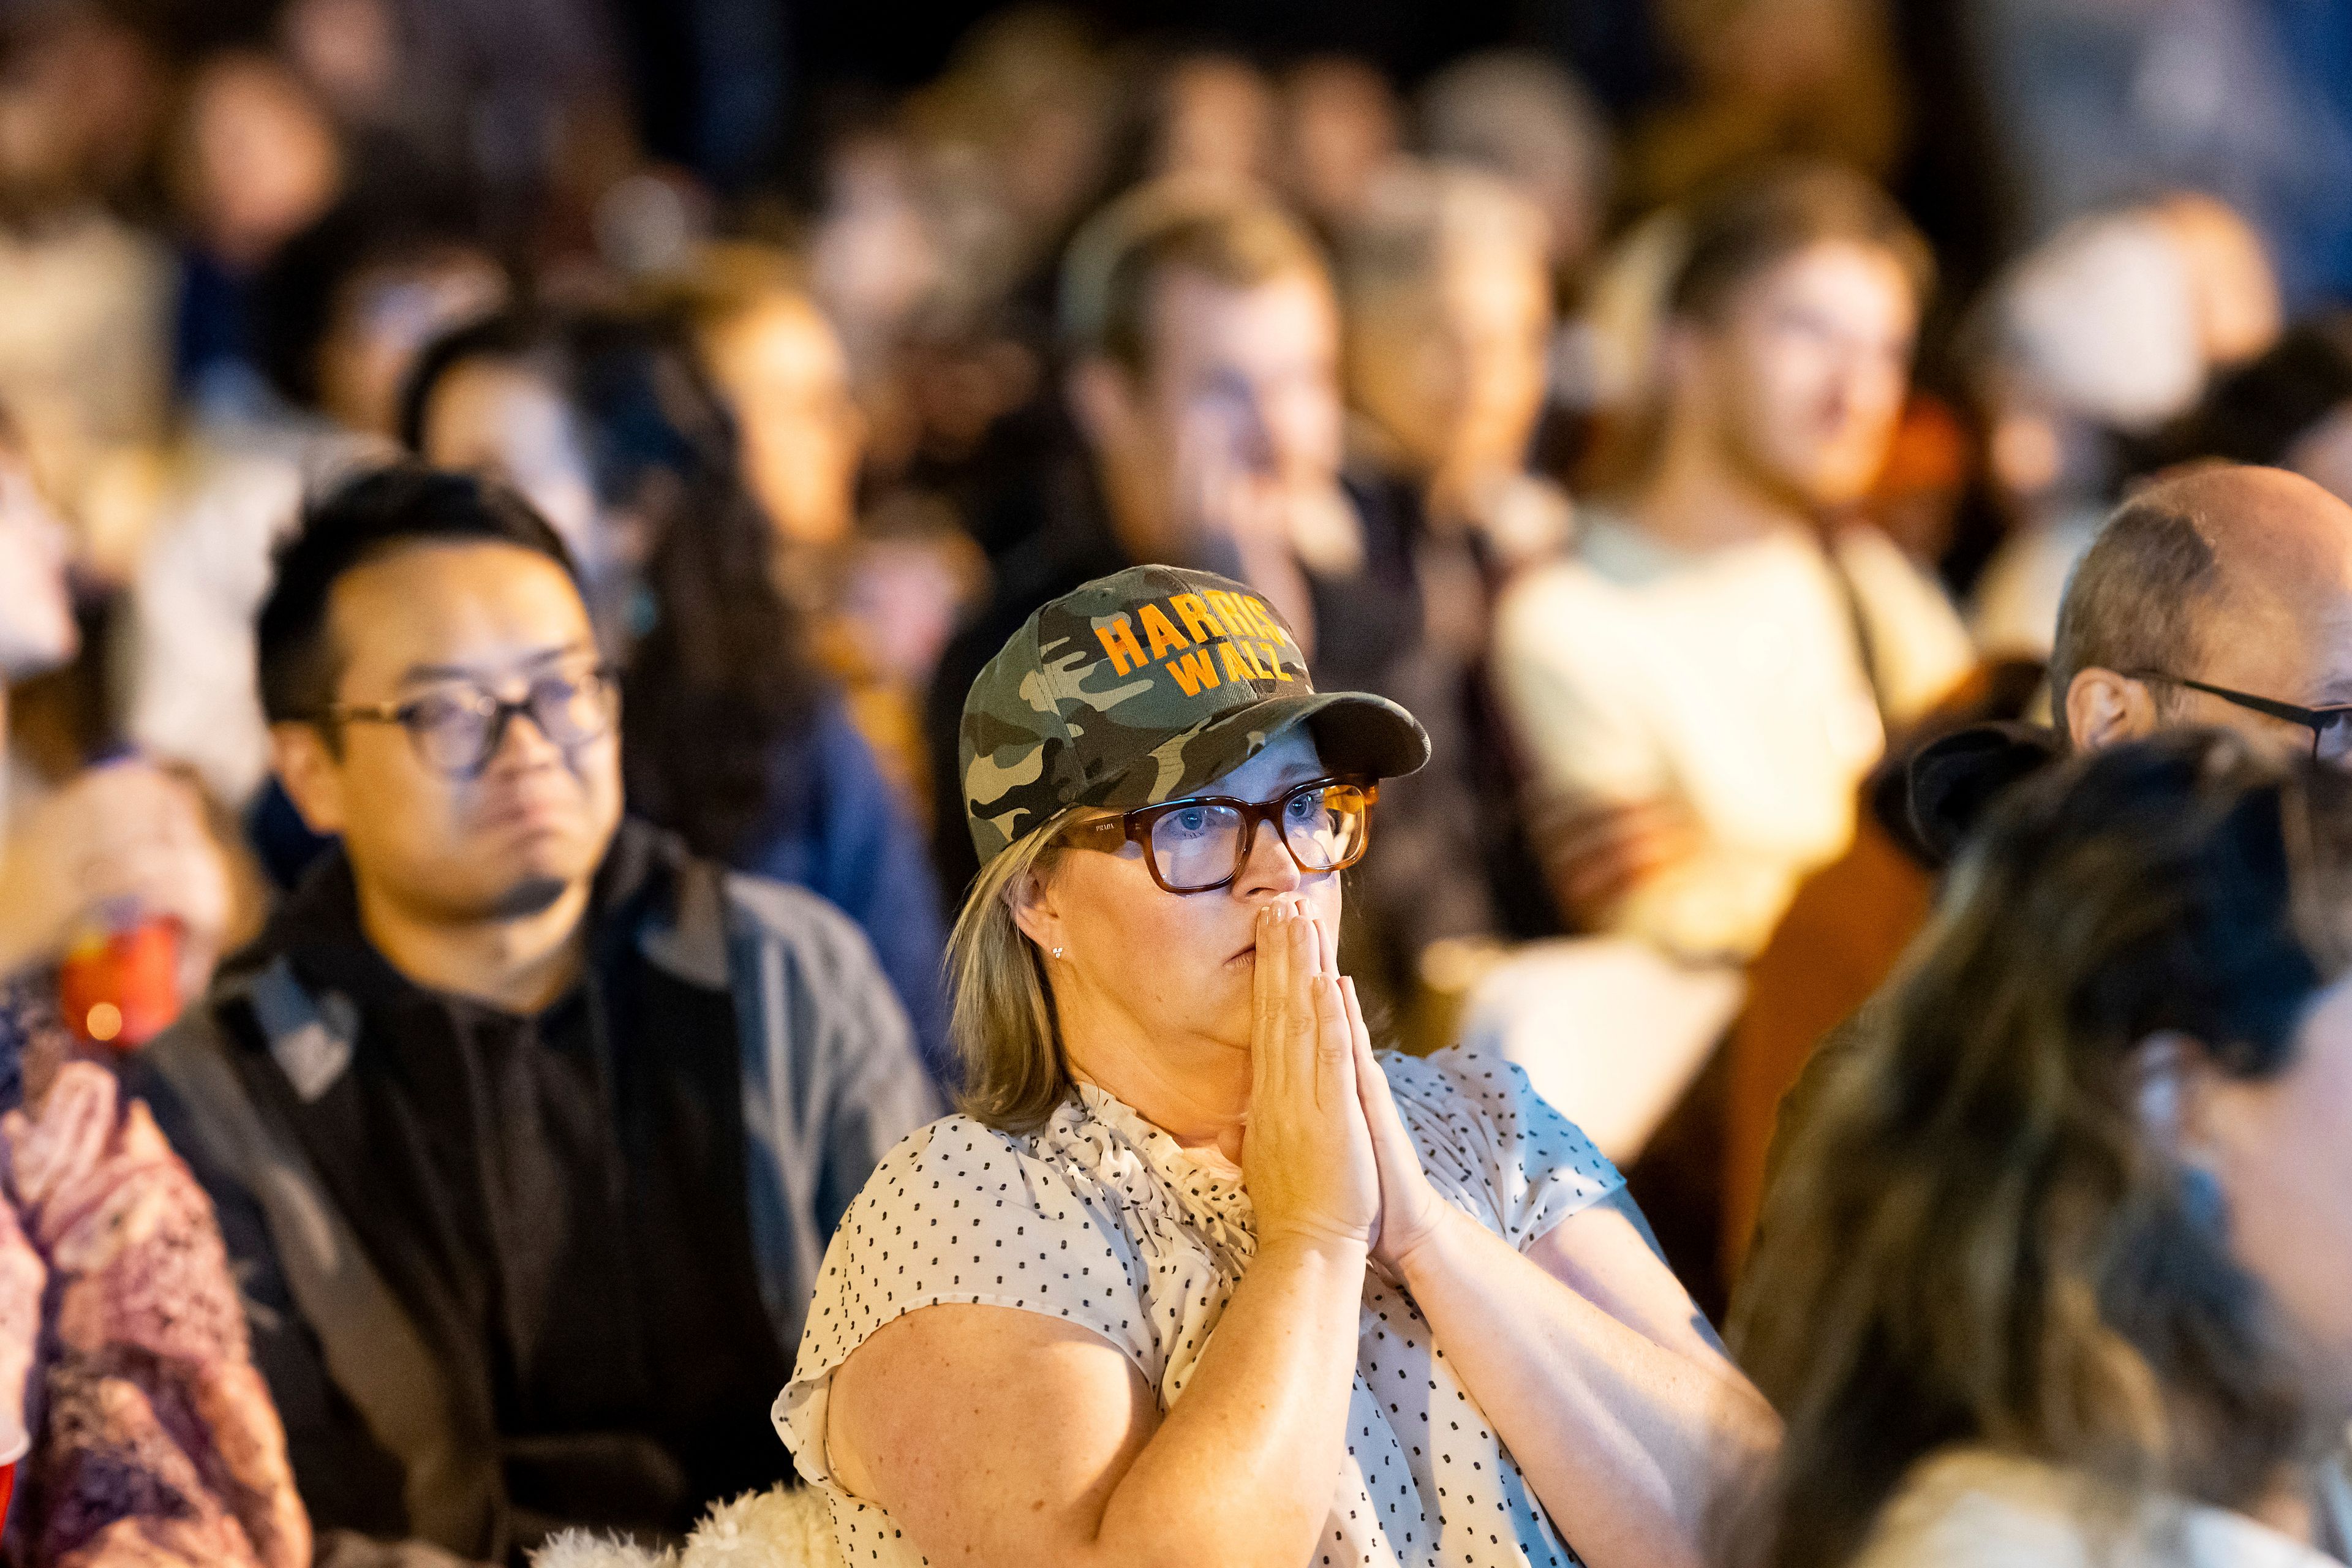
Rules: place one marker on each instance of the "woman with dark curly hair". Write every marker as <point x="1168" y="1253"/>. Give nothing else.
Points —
<point x="733" y="737"/>
<point x="2062" y="1272"/>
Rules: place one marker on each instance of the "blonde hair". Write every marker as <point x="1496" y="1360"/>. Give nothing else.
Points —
<point x="1004" y="1023"/>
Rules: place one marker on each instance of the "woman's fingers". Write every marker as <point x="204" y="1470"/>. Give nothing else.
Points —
<point x="1269" y="1056"/>
<point x="1327" y="947"/>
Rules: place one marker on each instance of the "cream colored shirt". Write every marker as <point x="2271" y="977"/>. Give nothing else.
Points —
<point x="1101" y="1220"/>
<point x="1732" y="681"/>
<point x="1974" y="1508"/>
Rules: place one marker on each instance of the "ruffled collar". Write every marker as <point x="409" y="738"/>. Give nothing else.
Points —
<point x="1113" y="1143"/>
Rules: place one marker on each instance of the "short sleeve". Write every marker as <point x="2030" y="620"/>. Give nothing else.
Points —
<point x="961" y="1214"/>
<point x="1493" y="1145"/>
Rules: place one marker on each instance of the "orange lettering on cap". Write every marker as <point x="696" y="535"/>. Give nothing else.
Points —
<point x="1274" y="658"/>
<point x="1118" y="641"/>
<point x="1237" y="663"/>
<point x="1193" y="671"/>
<point x="1228" y="610"/>
<point x="1163" y="635"/>
<point x="1195" y="617"/>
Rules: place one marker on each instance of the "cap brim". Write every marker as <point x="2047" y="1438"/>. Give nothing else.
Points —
<point x="1354" y="731"/>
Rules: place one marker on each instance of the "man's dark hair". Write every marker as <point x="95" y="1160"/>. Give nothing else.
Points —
<point x="362" y="519"/>
<point x="297" y="297"/>
<point x="2133" y="600"/>
<point x="2257" y="413"/>
<point x="1753" y="222"/>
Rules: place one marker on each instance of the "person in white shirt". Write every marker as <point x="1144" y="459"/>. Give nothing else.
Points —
<point x="1699" y="689"/>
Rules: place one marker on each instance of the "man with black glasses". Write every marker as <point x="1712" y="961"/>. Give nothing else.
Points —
<point x="2221" y="597"/>
<point x="526" y="1129"/>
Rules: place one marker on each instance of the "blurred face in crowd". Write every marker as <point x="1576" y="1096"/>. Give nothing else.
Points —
<point x="2275" y="1146"/>
<point x="424" y="625"/>
<point x="36" y="620"/>
<point x="384" y="318"/>
<point x="1241" y="385"/>
<point x="505" y="419"/>
<point x="1454" y="370"/>
<point x="2322" y="454"/>
<point x="1341" y="126"/>
<point x="1217" y="121"/>
<point x="2239" y="313"/>
<point x="80" y="96"/>
<point x="1193" y="1001"/>
<point x="1799" y="386"/>
<point x="348" y="50"/>
<point x="259" y="161"/>
<point x="782" y="373"/>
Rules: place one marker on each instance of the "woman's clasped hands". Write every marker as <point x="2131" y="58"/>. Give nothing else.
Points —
<point x="1327" y="1158"/>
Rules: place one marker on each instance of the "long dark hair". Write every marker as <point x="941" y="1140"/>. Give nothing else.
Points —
<point x="1976" y="1242"/>
<point x="718" y="673"/>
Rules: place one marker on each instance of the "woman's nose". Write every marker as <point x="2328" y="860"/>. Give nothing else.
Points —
<point x="1268" y="868"/>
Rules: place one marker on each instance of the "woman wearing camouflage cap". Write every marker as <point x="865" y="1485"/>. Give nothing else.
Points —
<point x="1409" y="1317"/>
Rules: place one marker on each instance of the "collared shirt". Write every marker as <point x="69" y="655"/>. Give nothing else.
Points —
<point x="1102" y="1219"/>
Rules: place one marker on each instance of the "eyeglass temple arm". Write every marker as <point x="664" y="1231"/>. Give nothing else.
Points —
<point x="1103" y="833"/>
<point x="2310" y="717"/>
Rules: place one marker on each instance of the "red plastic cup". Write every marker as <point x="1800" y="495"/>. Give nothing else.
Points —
<point x="11" y="1454"/>
<point x="120" y="987"/>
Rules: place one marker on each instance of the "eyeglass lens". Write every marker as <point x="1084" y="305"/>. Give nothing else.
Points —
<point x="1202" y="846"/>
<point x="2331" y="738"/>
<point x="458" y="730"/>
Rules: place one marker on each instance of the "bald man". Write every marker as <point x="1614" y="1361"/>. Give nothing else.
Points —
<point x="2220" y="597"/>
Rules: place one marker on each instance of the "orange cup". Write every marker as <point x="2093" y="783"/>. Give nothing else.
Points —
<point x="11" y="1454"/>
<point x="122" y="987"/>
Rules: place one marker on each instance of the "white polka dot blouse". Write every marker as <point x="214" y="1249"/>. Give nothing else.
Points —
<point x="1099" y="1218"/>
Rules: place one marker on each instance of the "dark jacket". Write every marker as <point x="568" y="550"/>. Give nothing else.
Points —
<point x="834" y="825"/>
<point x="391" y="1431"/>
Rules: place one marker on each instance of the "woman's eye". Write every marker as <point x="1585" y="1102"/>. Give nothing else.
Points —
<point x="1306" y="808"/>
<point x="1193" y="819"/>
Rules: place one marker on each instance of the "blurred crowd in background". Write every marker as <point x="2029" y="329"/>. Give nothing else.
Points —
<point x="1686" y="416"/>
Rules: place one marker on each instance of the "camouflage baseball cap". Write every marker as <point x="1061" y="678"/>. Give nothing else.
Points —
<point x="1145" y="686"/>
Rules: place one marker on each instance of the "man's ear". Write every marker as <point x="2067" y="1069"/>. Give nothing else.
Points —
<point x="1103" y="398"/>
<point x="312" y="774"/>
<point x="1686" y="370"/>
<point x="2106" y="708"/>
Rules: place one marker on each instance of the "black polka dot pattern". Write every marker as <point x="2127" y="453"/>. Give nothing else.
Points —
<point x="1099" y="1218"/>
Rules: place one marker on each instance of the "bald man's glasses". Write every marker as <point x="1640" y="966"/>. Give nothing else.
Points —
<point x="2330" y="727"/>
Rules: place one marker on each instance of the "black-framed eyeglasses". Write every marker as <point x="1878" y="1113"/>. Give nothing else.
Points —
<point x="2330" y="727"/>
<point x="457" y="729"/>
<point x="1202" y="842"/>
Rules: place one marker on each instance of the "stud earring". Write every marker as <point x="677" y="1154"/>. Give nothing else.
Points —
<point x="1058" y="951"/>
